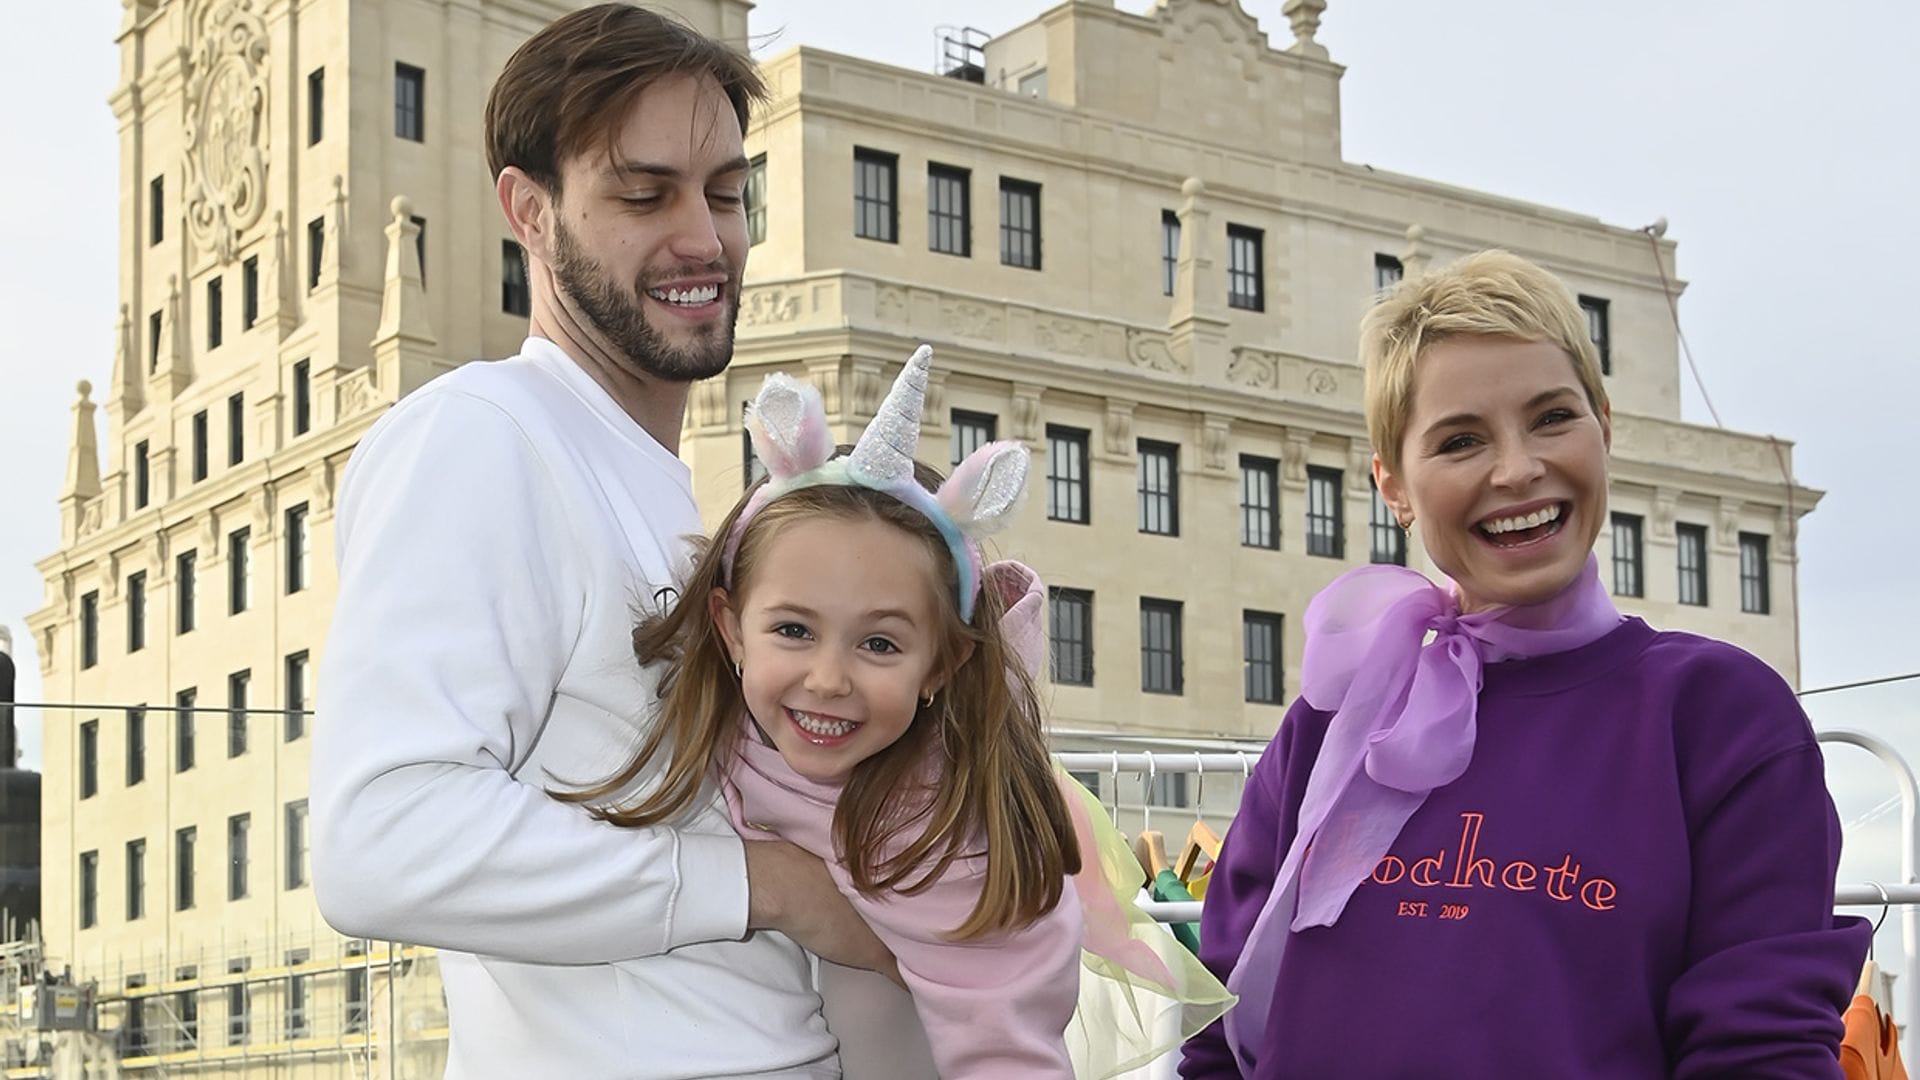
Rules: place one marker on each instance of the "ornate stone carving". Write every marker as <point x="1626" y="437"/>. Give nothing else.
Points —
<point x="355" y="393"/>
<point x="226" y="130"/>
<point x="934" y="416"/>
<point x="1254" y="370"/>
<point x="1118" y="427"/>
<point x="1321" y="381"/>
<point x="891" y="306"/>
<point x="769" y="307"/>
<point x="968" y="319"/>
<point x="1062" y="335"/>
<point x="1727" y="536"/>
<point x="1216" y="433"/>
<point x="1665" y="501"/>
<point x="825" y="374"/>
<point x="1025" y="411"/>
<point x="1304" y="15"/>
<point x="90" y="517"/>
<point x="1359" y="466"/>
<point x="1150" y="351"/>
<point x="1293" y="464"/>
<point x="870" y="384"/>
<point x="708" y="404"/>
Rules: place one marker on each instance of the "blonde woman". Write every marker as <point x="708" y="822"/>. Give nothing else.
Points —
<point x="1507" y="831"/>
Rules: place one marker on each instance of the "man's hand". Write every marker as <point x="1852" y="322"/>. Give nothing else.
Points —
<point x="790" y="891"/>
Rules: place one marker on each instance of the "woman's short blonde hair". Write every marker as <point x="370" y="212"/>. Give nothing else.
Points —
<point x="1487" y="294"/>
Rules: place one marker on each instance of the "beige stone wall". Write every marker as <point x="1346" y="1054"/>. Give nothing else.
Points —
<point x="1133" y="107"/>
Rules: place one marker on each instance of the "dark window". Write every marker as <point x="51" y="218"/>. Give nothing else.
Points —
<point x="876" y="187"/>
<point x="153" y="342"/>
<point x="89" y="629"/>
<point x="1389" y="542"/>
<point x="1627" y="579"/>
<point x="409" y="102"/>
<point x="316" y="251"/>
<point x="971" y="431"/>
<point x="316" y="105"/>
<point x="298" y="1025"/>
<point x="238" y="684"/>
<point x="516" y="297"/>
<point x="755" y="196"/>
<point x="1756" y="585"/>
<point x="750" y="462"/>
<point x="1070" y="635"/>
<point x="200" y="446"/>
<point x="236" y="429"/>
<point x="1260" y="635"/>
<point x="1159" y="476"/>
<point x="1387" y="272"/>
<point x="237" y="829"/>
<point x="949" y="210"/>
<point x="249" y="292"/>
<point x="356" y="1011"/>
<point x="1326" y="517"/>
<point x="142" y="476"/>
<point x="184" y="715"/>
<point x="156" y="210"/>
<point x="1246" y="286"/>
<point x="183" y="843"/>
<point x="296" y="844"/>
<point x="136" y="745"/>
<point x="215" y="311"/>
<point x="420" y="246"/>
<point x="1693" y="564"/>
<point x="1167" y="789"/>
<point x="296" y="689"/>
<point x="185" y="589"/>
<point x="1169" y="250"/>
<point x="136" y="879"/>
<point x="239" y="571"/>
<point x="135" y="1041"/>
<point x="1020" y="224"/>
<point x="302" y="397"/>
<point x="297" y="548"/>
<point x="89" y="759"/>
<point x="1067" y="474"/>
<point x="89" y="889"/>
<point x="186" y="1010"/>
<point x="239" y="1005"/>
<point x="1161" y="662"/>
<point x="136" y="611"/>
<point x="1595" y="309"/>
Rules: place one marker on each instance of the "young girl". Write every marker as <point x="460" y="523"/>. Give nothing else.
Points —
<point x="1550" y="840"/>
<point x="863" y="687"/>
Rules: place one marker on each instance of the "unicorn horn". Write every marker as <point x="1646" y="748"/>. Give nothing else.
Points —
<point x="884" y="455"/>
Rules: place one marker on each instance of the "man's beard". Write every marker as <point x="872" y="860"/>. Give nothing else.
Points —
<point x="621" y="318"/>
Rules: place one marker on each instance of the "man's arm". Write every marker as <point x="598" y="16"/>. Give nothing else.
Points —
<point x="458" y="608"/>
<point x="461" y="598"/>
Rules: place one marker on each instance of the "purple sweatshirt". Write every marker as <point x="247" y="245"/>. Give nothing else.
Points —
<point x="1633" y="879"/>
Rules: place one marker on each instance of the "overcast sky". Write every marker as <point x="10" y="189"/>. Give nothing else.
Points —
<point x="1778" y="139"/>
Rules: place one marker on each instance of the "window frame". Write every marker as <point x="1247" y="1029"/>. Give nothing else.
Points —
<point x="1326" y="532"/>
<point x="1690" y="580"/>
<point x="1171" y="613"/>
<point x="946" y="186"/>
<point x="876" y="214"/>
<point x="1075" y="489"/>
<point x="1157" y="484"/>
<point x="1633" y="562"/>
<point x="1064" y="635"/>
<point x="1020" y="241"/>
<point x="1242" y="275"/>
<point x="1756" y="574"/>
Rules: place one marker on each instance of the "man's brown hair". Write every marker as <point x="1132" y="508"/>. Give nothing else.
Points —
<point x="571" y="83"/>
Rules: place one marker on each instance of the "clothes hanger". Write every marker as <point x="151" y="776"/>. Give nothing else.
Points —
<point x="1150" y="847"/>
<point x="1201" y="839"/>
<point x="1870" y="972"/>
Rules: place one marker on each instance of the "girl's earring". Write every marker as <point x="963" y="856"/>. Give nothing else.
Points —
<point x="927" y="702"/>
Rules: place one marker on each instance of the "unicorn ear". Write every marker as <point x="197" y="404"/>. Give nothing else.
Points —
<point x="986" y="488"/>
<point x="788" y="425"/>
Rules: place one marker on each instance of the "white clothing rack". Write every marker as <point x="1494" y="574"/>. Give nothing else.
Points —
<point x="1904" y="894"/>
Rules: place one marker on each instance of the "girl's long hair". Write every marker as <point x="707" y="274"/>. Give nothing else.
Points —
<point x="970" y="777"/>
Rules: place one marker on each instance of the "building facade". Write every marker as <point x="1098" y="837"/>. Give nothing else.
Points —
<point x="1131" y="239"/>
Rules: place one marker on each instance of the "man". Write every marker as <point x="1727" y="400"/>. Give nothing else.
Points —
<point x="495" y="532"/>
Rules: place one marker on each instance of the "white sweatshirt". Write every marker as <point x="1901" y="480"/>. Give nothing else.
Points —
<point x="498" y="533"/>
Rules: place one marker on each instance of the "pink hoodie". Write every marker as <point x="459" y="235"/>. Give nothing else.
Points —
<point x="994" y="1008"/>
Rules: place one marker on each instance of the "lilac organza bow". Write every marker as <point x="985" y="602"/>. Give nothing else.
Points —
<point x="1403" y="724"/>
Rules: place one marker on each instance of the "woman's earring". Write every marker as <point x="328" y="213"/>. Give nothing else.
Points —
<point x="736" y="669"/>
<point x="927" y="702"/>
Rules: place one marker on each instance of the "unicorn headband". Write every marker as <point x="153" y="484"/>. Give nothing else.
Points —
<point x="788" y="425"/>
